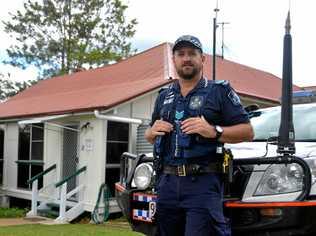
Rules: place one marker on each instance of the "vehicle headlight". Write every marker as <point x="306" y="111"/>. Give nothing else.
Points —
<point x="143" y="175"/>
<point x="279" y="179"/>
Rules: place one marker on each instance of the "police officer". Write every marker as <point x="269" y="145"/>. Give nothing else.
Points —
<point x="190" y="122"/>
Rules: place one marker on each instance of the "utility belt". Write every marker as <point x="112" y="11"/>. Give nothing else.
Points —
<point x="223" y="166"/>
<point x="193" y="169"/>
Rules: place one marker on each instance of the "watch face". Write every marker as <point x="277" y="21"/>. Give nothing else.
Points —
<point x="219" y="129"/>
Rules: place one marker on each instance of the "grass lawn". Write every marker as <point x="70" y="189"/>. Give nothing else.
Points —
<point x="114" y="227"/>
<point x="66" y="230"/>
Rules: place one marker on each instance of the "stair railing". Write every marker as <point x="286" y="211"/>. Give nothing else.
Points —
<point x="64" y="195"/>
<point x="35" y="190"/>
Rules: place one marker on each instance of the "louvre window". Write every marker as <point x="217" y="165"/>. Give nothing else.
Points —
<point x="30" y="159"/>
<point x="1" y="154"/>
<point x="117" y="141"/>
<point x="116" y="144"/>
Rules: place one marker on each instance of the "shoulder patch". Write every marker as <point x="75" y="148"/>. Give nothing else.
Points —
<point x="233" y="97"/>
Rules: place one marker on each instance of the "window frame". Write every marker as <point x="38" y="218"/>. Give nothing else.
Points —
<point x="110" y="166"/>
<point x="1" y="155"/>
<point x="30" y="161"/>
<point x="113" y="142"/>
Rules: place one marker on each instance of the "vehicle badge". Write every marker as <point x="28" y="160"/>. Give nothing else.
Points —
<point x="196" y="102"/>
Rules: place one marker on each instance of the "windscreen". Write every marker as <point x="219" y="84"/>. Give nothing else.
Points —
<point x="266" y="123"/>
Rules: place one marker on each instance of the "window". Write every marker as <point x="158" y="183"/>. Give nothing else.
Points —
<point x="116" y="144"/>
<point x="117" y="141"/>
<point x="267" y="121"/>
<point x="1" y="154"/>
<point x="30" y="159"/>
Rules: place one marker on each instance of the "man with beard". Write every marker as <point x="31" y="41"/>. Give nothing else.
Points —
<point x="190" y="122"/>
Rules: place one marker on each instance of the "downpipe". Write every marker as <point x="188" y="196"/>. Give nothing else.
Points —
<point x="117" y="118"/>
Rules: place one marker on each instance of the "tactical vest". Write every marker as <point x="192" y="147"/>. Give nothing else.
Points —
<point x="175" y="109"/>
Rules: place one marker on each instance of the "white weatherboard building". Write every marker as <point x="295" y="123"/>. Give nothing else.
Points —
<point x="62" y="139"/>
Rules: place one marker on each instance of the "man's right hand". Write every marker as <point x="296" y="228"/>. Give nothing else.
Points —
<point x="159" y="128"/>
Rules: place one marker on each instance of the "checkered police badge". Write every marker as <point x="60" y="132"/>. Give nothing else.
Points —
<point x="196" y="102"/>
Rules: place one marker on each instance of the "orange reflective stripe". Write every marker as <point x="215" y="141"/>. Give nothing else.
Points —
<point x="237" y="204"/>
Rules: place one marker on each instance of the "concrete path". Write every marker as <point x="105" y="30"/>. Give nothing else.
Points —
<point x="24" y="221"/>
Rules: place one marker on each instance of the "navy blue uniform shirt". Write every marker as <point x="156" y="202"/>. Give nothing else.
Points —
<point x="216" y="101"/>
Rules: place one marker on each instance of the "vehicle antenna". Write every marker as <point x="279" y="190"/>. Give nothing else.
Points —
<point x="286" y="145"/>
<point x="223" y="24"/>
<point x="216" y="10"/>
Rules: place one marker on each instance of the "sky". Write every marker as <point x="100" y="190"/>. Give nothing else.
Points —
<point x="252" y="37"/>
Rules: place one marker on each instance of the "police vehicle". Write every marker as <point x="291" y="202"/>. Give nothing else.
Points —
<point x="261" y="199"/>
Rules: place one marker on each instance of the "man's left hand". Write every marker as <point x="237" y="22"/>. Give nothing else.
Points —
<point x="198" y="125"/>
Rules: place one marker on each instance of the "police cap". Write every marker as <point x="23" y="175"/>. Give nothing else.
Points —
<point x="187" y="40"/>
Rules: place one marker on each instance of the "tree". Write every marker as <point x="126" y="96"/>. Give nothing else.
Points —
<point x="9" y="88"/>
<point x="59" y="36"/>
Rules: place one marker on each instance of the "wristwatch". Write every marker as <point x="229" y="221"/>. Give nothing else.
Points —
<point x="219" y="131"/>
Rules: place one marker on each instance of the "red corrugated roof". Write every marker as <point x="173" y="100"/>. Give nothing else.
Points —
<point x="246" y="80"/>
<point x="110" y="85"/>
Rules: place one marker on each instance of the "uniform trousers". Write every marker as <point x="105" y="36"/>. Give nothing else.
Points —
<point x="191" y="206"/>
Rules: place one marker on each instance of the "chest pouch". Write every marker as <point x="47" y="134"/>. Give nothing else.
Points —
<point x="183" y="139"/>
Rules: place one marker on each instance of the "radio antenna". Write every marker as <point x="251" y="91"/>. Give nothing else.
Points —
<point x="216" y="10"/>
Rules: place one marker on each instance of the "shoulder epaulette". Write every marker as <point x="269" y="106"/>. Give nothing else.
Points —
<point x="222" y="82"/>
